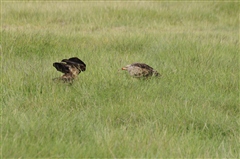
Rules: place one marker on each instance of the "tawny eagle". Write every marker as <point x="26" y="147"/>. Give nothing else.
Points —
<point x="70" y="67"/>
<point x="140" y="70"/>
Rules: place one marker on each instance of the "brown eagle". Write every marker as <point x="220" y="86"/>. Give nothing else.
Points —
<point x="70" y="67"/>
<point x="140" y="70"/>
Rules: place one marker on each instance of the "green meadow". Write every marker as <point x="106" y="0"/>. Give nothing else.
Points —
<point x="192" y="111"/>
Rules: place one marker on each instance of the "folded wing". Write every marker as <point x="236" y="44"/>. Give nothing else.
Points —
<point x="143" y="66"/>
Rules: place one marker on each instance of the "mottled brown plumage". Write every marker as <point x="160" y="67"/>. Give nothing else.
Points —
<point x="70" y="67"/>
<point x="140" y="70"/>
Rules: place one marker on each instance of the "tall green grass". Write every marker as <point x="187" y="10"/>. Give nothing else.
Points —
<point x="191" y="111"/>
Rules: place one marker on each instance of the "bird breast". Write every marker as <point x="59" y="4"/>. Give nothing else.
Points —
<point x="74" y="71"/>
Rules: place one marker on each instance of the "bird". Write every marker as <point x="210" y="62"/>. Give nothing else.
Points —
<point x="139" y="70"/>
<point x="71" y="68"/>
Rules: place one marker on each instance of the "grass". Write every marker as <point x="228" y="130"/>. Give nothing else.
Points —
<point x="191" y="111"/>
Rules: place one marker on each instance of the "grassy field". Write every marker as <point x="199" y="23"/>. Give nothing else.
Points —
<point x="191" y="111"/>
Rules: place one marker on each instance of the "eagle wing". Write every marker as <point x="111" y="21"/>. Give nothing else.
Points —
<point x="144" y="70"/>
<point x="76" y="62"/>
<point x="62" y="67"/>
<point x="143" y="66"/>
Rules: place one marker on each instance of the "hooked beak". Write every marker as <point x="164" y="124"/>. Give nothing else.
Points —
<point x="124" y="68"/>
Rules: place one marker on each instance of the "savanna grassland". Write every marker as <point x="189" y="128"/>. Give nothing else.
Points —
<point x="191" y="111"/>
